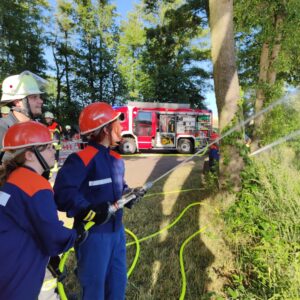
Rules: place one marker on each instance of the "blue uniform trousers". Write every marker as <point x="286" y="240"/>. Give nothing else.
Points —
<point x="102" y="266"/>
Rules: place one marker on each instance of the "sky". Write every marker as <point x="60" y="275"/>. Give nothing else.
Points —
<point x="125" y="6"/>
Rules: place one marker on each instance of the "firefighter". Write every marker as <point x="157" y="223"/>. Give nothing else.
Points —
<point x="213" y="153"/>
<point x="68" y="133"/>
<point x="85" y="185"/>
<point x="30" y="231"/>
<point x="5" y="110"/>
<point x="56" y="132"/>
<point x="21" y="93"/>
<point x="71" y="133"/>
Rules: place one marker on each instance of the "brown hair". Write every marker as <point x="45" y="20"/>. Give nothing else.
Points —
<point x="10" y="165"/>
<point x="98" y="136"/>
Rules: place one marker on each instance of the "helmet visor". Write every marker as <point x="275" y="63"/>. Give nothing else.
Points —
<point x="41" y="82"/>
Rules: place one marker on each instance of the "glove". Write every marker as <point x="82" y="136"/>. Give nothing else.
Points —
<point x="139" y="193"/>
<point x="82" y="234"/>
<point x="99" y="215"/>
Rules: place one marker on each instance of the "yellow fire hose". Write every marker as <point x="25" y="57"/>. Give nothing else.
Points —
<point x="137" y="242"/>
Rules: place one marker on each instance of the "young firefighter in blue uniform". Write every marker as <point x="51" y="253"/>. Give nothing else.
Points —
<point x="88" y="181"/>
<point x="30" y="231"/>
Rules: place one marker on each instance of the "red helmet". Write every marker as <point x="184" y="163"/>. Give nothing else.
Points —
<point x="26" y="134"/>
<point x="95" y="116"/>
<point x="214" y="136"/>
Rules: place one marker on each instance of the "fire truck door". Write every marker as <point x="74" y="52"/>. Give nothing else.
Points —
<point x="144" y="128"/>
<point x="165" y="135"/>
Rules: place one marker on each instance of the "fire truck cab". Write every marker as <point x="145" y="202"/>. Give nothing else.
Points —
<point x="169" y="126"/>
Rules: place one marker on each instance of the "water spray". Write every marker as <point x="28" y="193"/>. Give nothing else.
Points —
<point x="279" y="141"/>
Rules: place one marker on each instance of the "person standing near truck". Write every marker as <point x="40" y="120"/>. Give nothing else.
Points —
<point x="88" y="182"/>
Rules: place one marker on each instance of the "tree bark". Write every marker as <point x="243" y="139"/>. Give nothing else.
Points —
<point x="260" y="92"/>
<point x="267" y="76"/>
<point x="276" y="49"/>
<point x="91" y="72"/>
<point x="67" y="69"/>
<point x="226" y="83"/>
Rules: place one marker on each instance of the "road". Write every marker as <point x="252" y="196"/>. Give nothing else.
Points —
<point x="142" y="168"/>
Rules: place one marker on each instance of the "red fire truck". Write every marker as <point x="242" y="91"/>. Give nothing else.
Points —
<point x="150" y="125"/>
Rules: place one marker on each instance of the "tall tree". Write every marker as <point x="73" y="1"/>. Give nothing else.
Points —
<point x="132" y="41"/>
<point x="22" y="36"/>
<point x="60" y="41"/>
<point x="168" y="62"/>
<point x="84" y="46"/>
<point x="95" y="62"/>
<point x="172" y="54"/>
<point x="268" y="51"/>
<point x="226" y="82"/>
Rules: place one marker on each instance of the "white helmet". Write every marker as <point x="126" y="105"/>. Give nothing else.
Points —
<point x="68" y="127"/>
<point x="20" y="86"/>
<point x="49" y="115"/>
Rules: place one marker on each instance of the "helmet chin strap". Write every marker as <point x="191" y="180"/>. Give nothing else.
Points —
<point x="41" y="159"/>
<point x="25" y="110"/>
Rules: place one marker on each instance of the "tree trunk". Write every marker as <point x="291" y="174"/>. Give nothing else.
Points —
<point x="67" y="69"/>
<point x="267" y="76"/>
<point x="91" y="71"/>
<point x="260" y="92"/>
<point x="276" y="49"/>
<point x="226" y="83"/>
<point x="58" y="78"/>
<point x="101" y="71"/>
<point x="114" y="89"/>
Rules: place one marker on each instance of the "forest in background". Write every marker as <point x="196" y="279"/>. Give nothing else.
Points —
<point x="152" y="56"/>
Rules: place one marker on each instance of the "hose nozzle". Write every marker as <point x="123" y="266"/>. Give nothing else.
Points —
<point x="127" y="198"/>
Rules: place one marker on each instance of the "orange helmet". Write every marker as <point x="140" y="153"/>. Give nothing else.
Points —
<point x="26" y="134"/>
<point x="96" y="116"/>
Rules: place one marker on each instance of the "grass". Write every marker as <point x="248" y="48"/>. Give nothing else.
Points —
<point x="263" y="229"/>
<point x="157" y="274"/>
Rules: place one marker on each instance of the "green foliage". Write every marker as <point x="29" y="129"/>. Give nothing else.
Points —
<point x="255" y="26"/>
<point x="160" y="51"/>
<point x="280" y="121"/>
<point x="170" y="57"/>
<point x="254" y="21"/>
<point x="263" y="229"/>
<point x="85" y="45"/>
<point x="22" y="25"/>
<point x="152" y="56"/>
<point x="132" y="40"/>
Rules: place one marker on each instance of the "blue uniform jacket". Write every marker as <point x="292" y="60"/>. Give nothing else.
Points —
<point x="30" y="233"/>
<point x="88" y="178"/>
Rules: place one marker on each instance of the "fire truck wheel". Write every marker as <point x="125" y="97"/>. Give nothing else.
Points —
<point x="127" y="146"/>
<point x="185" y="146"/>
